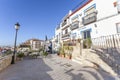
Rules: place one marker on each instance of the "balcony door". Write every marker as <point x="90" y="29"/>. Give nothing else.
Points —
<point x="86" y="34"/>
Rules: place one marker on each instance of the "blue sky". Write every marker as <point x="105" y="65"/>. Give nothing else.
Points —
<point x="36" y="17"/>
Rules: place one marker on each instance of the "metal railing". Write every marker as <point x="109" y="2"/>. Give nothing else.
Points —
<point x="64" y="23"/>
<point x="66" y="35"/>
<point x="111" y="41"/>
<point x="92" y="17"/>
<point x="74" y="25"/>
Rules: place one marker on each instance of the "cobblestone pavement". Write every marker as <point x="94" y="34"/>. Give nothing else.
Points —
<point x="51" y="68"/>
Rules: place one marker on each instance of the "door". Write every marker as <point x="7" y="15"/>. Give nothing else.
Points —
<point x="86" y="34"/>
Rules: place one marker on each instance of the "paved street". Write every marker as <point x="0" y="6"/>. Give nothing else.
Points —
<point x="51" y="68"/>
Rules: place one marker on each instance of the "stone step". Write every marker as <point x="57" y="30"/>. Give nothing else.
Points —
<point x="77" y="60"/>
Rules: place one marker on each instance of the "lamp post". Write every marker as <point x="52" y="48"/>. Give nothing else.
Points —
<point x="17" y="26"/>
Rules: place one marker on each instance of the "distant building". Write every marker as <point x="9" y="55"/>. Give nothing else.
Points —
<point x="0" y="51"/>
<point x="33" y="44"/>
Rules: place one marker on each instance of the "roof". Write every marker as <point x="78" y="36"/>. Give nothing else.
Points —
<point x="34" y="39"/>
<point x="80" y="6"/>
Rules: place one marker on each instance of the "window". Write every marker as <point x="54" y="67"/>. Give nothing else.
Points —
<point x="115" y="4"/>
<point x="66" y="31"/>
<point x="73" y="35"/>
<point x="75" y="18"/>
<point x="74" y="25"/>
<point x="90" y="9"/>
<point x="65" y="20"/>
<point x="118" y="6"/>
<point x="118" y="27"/>
<point x="86" y="34"/>
<point x="59" y="36"/>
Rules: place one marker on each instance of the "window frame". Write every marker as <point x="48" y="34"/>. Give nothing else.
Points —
<point x="118" y="27"/>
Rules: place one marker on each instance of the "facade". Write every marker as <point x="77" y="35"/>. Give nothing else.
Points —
<point x="94" y="18"/>
<point x="34" y="44"/>
<point x="58" y="37"/>
<point x="91" y="19"/>
<point x="97" y="21"/>
<point x="65" y="28"/>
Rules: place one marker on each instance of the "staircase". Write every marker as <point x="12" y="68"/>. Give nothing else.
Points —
<point x="91" y="59"/>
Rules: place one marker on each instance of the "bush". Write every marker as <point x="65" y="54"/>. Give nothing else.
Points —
<point x="8" y="52"/>
<point x="45" y="53"/>
<point x="35" y="55"/>
<point x="62" y="51"/>
<point x="20" y="55"/>
<point x="87" y="43"/>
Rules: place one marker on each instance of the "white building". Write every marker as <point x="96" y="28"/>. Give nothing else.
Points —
<point x="65" y="28"/>
<point x="34" y="44"/>
<point x="92" y="19"/>
<point x="95" y="18"/>
<point x="56" y="40"/>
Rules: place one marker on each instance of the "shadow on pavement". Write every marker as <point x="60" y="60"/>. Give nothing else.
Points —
<point x="88" y="73"/>
<point x="28" y="69"/>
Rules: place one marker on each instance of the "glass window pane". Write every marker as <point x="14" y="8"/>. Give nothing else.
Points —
<point x="118" y="28"/>
<point x="88" y="34"/>
<point x="84" y="35"/>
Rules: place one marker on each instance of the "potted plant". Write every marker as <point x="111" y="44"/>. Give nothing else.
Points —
<point x="20" y="56"/>
<point x="79" y="40"/>
<point x="62" y="53"/>
<point x="58" y="51"/>
<point x="66" y="48"/>
<point x="68" y="51"/>
<point x="87" y="43"/>
<point x="45" y="53"/>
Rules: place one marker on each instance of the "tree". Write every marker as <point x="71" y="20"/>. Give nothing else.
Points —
<point x="46" y="38"/>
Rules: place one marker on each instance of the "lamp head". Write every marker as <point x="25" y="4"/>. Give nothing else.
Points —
<point x="17" y="26"/>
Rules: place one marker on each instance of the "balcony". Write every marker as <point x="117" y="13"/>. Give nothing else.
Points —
<point x="56" y="40"/>
<point x="64" y="23"/>
<point x="66" y="35"/>
<point x="58" y="28"/>
<point x="74" y="25"/>
<point x="92" y="17"/>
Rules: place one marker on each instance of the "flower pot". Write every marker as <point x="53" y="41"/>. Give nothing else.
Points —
<point x="68" y="56"/>
<point x="63" y="55"/>
<point x="19" y="59"/>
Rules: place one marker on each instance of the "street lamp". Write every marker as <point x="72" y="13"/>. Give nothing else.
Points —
<point x="17" y="26"/>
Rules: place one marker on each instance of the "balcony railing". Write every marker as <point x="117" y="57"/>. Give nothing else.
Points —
<point x="66" y="35"/>
<point x="56" y="40"/>
<point x="74" y="25"/>
<point x="89" y="18"/>
<point x="58" y="28"/>
<point x="64" y="23"/>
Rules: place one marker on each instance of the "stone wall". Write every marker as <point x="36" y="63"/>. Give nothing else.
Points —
<point x="93" y="56"/>
<point x="76" y="50"/>
<point x="108" y="48"/>
<point x="111" y="57"/>
<point x="5" y="62"/>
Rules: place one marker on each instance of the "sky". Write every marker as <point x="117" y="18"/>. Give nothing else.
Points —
<point x="37" y="18"/>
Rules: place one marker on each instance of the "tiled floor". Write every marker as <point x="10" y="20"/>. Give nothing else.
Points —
<point x="51" y="68"/>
